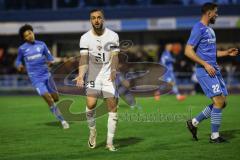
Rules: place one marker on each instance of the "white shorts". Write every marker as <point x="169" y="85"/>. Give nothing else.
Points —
<point x="101" y="87"/>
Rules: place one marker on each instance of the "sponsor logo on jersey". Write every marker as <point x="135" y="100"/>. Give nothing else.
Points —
<point x="212" y="40"/>
<point x="38" y="49"/>
<point x="32" y="57"/>
<point x="99" y="48"/>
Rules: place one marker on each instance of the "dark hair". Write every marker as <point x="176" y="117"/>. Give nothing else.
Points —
<point x="23" y="29"/>
<point x="208" y="7"/>
<point x="96" y="10"/>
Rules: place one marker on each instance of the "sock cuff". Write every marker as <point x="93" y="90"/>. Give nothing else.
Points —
<point x="89" y="110"/>
<point x="53" y="106"/>
<point x="92" y="127"/>
<point x="112" y="115"/>
<point x="211" y="106"/>
<point x="216" y="110"/>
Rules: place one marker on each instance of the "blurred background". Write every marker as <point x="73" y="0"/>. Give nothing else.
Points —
<point x="149" y="24"/>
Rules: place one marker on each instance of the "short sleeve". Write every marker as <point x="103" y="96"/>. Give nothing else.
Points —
<point x="83" y="44"/>
<point x="167" y="58"/>
<point x="115" y="44"/>
<point x="195" y="36"/>
<point x="164" y="59"/>
<point x="47" y="53"/>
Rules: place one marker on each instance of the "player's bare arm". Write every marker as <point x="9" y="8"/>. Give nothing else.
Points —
<point x="83" y="67"/>
<point x="190" y="53"/>
<point x="114" y="66"/>
<point x="228" y="52"/>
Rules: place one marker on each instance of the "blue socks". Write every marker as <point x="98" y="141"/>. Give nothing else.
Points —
<point x="205" y="114"/>
<point x="56" y="112"/>
<point x="216" y="117"/>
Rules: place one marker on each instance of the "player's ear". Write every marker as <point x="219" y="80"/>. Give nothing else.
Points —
<point x="209" y="14"/>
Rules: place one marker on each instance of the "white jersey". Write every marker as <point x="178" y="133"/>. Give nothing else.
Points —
<point x="99" y="49"/>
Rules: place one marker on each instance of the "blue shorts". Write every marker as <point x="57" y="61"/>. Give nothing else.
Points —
<point x="46" y="86"/>
<point x="211" y="86"/>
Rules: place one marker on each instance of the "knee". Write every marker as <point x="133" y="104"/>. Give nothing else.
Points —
<point x="91" y="106"/>
<point x="220" y="103"/>
<point x="112" y="104"/>
<point x="56" y="99"/>
<point x="225" y="104"/>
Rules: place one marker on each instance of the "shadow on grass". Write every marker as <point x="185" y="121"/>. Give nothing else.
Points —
<point x="123" y="142"/>
<point x="125" y="106"/>
<point x="55" y="123"/>
<point x="230" y="134"/>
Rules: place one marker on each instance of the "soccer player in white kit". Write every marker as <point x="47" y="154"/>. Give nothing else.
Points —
<point x="99" y="48"/>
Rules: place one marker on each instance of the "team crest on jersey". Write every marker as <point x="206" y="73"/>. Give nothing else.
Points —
<point x="210" y="32"/>
<point x="38" y="49"/>
<point x="211" y="35"/>
<point x="99" y="48"/>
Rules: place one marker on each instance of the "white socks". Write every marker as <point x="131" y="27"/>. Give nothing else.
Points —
<point x="194" y="122"/>
<point x="214" y="135"/>
<point x="112" y="122"/>
<point x="90" y="114"/>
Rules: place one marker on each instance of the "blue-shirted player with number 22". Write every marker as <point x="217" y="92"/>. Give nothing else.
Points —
<point x="201" y="48"/>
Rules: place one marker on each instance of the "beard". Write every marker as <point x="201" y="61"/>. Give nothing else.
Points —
<point x="100" y="27"/>
<point x="212" y="20"/>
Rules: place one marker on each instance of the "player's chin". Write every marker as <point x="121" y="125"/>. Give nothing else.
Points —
<point x="212" y="21"/>
<point x="31" y="40"/>
<point x="98" y="26"/>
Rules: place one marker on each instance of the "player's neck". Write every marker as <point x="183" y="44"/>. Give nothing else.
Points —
<point x="204" y="21"/>
<point x="98" y="32"/>
<point x="31" y="42"/>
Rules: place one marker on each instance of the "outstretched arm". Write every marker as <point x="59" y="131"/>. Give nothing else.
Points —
<point x="228" y="52"/>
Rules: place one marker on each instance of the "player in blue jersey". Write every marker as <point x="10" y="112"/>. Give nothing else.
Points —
<point x="35" y="57"/>
<point x="123" y="86"/>
<point x="201" y="48"/>
<point x="168" y="61"/>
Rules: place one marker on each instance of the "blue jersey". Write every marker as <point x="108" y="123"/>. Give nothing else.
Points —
<point x="204" y="41"/>
<point x="167" y="60"/>
<point x="35" y="55"/>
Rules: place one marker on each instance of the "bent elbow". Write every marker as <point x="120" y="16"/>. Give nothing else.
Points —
<point x="186" y="51"/>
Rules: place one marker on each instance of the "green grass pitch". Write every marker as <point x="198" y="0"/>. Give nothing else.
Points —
<point x="29" y="131"/>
